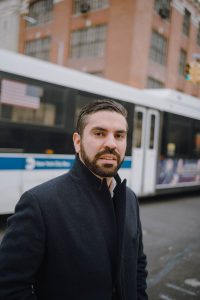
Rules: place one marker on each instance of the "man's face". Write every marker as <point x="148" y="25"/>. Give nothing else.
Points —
<point x="103" y="143"/>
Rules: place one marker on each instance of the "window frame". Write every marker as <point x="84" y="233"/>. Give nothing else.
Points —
<point x="186" y="22"/>
<point x="182" y="62"/>
<point x="198" y="35"/>
<point x="39" y="48"/>
<point x="158" y="48"/>
<point x="88" y="42"/>
<point x="41" y="11"/>
<point x="94" y="5"/>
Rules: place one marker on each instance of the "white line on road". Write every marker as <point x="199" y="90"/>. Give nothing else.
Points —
<point x="193" y="282"/>
<point x="175" y="287"/>
<point x="164" y="297"/>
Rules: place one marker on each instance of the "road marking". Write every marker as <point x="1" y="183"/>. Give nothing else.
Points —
<point x="164" y="297"/>
<point x="173" y="261"/>
<point x="192" y="282"/>
<point x="175" y="287"/>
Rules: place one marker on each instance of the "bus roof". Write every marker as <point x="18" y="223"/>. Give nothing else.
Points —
<point x="177" y="102"/>
<point x="163" y="100"/>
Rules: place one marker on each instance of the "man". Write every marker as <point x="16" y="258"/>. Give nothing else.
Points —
<point x="78" y="236"/>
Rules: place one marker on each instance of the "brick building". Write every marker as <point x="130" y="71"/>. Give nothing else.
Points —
<point x="143" y="43"/>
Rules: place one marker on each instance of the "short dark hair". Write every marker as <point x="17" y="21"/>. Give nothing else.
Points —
<point x="95" y="106"/>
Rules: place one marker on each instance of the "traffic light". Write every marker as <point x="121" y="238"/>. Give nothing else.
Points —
<point x="192" y="72"/>
<point x="187" y="72"/>
<point x="195" y="72"/>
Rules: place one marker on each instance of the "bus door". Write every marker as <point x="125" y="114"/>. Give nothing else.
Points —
<point x="145" y="147"/>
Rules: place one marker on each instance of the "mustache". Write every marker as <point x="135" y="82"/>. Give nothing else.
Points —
<point x="108" y="151"/>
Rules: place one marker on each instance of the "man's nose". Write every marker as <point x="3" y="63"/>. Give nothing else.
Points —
<point x="110" y="141"/>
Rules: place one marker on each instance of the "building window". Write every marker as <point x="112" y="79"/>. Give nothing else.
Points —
<point x="81" y="6"/>
<point x="40" y="12"/>
<point x="158" y="50"/>
<point x="198" y="35"/>
<point x="186" y="22"/>
<point x="162" y="7"/>
<point x="182" y="62"/>
<point x="88" y="42"/>
<point x="154" y="84"/>
<point x="39" y="48"/>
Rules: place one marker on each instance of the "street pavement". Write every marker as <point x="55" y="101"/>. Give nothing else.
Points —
<point x="171" y="230"/>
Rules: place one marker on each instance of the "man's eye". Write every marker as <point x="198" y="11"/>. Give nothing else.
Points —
<point x="120" y="136"/>
<point x="99" y="133"/>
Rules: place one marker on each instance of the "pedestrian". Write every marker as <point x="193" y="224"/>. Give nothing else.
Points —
<point x="79" y="236"/>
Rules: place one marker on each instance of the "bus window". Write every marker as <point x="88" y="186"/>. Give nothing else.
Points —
<point x="81" y="100"/>
<point x="32" y="102"/>
<point x="45" y="115"/>
<point x="138" y="129"/>
<point x="197" y="143"/>
<point x="176" y="136"/>
<point x="152" y="132"/>
<point x="196" y="139"/>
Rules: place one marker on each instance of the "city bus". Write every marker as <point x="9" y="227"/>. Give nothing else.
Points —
<point x="39" y="105"/>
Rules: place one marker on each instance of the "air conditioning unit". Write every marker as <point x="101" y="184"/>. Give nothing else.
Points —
<point x="85" y="7"/>
<point x="164" y="13"/>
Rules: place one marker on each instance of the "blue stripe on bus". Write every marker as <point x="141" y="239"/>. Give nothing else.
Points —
<point x="12" y="163"/>
<point x="126" y="164"/>
<point x="35" y="163"/>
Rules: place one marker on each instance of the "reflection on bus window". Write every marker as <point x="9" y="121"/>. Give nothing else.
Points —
<point x="152" y="132"/>
<point x="20" y="93"/>
<point x="44" y="115"/>
<point x="26" y="101"/>
<point x="171" y="149"/>
<point x="81" y="100"/>
<point x="197" y="144"/>
<point x="138" y="129"/>
<point x="177" y="131"/>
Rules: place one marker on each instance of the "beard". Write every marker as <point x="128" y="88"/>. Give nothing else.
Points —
<point x="103" y="170"/>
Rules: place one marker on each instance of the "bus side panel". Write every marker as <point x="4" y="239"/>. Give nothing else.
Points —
<point x="9" y="190"/>
<point x="36" y="177"/>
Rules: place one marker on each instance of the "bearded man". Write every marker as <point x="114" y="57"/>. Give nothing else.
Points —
<point x="79" y="236"/>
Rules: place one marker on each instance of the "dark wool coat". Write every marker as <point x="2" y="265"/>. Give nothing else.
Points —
<point x="69" y="240"/>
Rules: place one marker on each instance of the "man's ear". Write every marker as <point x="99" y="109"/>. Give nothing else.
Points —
<point x="77" y="142"/>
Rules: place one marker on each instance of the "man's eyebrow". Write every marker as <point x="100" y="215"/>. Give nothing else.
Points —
<point x="99" y="128"/>
<point x="103" y="129"/>
<point x="121" y="131"/>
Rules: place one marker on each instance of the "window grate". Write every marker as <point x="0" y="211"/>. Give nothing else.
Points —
<point x="39" y="48"/>
<point x="88" y="42"/>
<point x="91" y="4"/>
<point x="158" y="51"/>
<point x="182" y="62"/>
<point x="40" y="12"/>
<point x="186" y="22"/>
